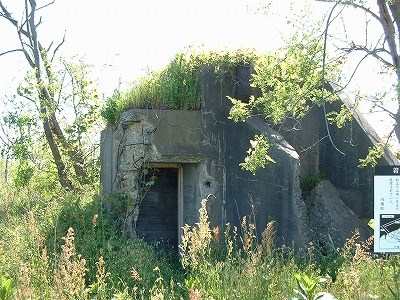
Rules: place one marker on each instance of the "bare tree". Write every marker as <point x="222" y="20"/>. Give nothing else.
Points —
<point x="40" y="59"/>
<point x="386" y="49"/>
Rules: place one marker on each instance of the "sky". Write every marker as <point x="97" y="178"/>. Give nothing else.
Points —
<point x="132" y="36"/>
<point x="125" y="38"/>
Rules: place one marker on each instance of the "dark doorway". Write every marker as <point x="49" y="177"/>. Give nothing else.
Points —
<point x="158" y="217"/>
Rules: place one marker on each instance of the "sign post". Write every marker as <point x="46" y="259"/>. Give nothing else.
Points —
<point x="387" y="209"/>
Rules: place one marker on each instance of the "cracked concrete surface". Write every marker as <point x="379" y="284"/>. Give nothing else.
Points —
<point x="209" y="147"/>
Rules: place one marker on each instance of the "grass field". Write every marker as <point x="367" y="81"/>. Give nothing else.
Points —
<point x="58" y="245"/>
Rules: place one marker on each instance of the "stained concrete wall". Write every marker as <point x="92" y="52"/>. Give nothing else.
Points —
<point x="143" y="138"/>
<point x="335" y="152"/>
<point x="210" y="148"/>
<point x="274" y="192"/>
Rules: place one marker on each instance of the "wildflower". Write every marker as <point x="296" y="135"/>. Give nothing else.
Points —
<point x="135" y="275"/>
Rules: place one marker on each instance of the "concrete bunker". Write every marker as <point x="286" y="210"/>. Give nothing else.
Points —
<point x="197" y="154"/>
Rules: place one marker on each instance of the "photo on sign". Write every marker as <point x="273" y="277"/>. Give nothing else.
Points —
<point x="389" y="236"/>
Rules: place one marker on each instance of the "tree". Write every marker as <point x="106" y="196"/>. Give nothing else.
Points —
<point x="383" y="15"/>
<point x="296" y="76"/>
<point x="52" y="87"/>
<point x="290" y="82"/>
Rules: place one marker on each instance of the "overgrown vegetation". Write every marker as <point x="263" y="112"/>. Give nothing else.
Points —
<point x="311" y="181"/>
<point x="289" y="81"/>
<point x="47" y="125"/>
<point x="177" y="86"/>
<point x="58" y="245"/>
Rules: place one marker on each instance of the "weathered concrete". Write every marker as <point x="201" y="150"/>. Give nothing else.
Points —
<point x="209" y="148"/>
<point x="331" y="219"/>
<point x="353" y="200"/>
<point x="335" y="152"/>
<point x="274" y="192"/>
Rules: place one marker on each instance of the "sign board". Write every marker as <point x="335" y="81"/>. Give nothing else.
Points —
<point x="387" y="209"/>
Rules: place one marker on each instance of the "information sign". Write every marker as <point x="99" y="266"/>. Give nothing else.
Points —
<point x="387" y="209"/>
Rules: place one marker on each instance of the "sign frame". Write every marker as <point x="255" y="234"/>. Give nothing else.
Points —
<point x="387" y="209"/>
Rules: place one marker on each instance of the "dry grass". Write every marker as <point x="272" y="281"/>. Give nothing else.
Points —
<point x="91" y="261"/>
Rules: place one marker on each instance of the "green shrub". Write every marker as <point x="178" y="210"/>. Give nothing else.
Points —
<point x="110" y="110"/>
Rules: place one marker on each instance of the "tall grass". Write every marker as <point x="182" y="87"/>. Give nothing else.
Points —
<point x="58" y="245"/>
<point x="177" y="86"/>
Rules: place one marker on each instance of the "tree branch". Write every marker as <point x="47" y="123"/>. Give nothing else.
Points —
<point x="10" y="51"/>
<point x="7" y="143"/>
<point x="373" y="52"/>
<point x="395" y="9"/>
<point x="58" y="47"/>
<point x="328" y="22"/>
<point x="390" y="32"/>
<point x="27" y="56"/>
<point x="38" y="23"/>
<point x="48" y="4"/>
<point x="367" y="10"/>
<point x="391" y="114"/>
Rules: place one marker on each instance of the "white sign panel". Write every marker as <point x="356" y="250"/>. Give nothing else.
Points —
<point x="387" y="209"/>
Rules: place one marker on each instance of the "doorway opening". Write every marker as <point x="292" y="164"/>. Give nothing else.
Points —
<point x="161" y="218"/>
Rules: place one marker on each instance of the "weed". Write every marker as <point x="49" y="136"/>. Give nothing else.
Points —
<point x="196" y="241"/>
<point x="97" y="261"/>
<point x="311" y="181"/>
<point x="6" y="287"/>
<point x="177" y="86"/>
<point x="394" y="284"/>
<point x="70" y="274"/>
<point x="97" y="290"/>
<point x="307" y="286"/>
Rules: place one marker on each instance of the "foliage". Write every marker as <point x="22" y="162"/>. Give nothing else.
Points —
<point x="394" y="284"/>
<point x="77" y="107"/>
<point x="240" y="111"/>
<point x="177" y="86"/>
<point x="290" y="81"/>
<point x="340" y="118"/>
<point x="56" y="108"/>
<point x="6" y="287"/>
<point x="307" y="286"/>
<point x="257" y="155"/>
<point x="110" y="110"/>
<point x="311" y="181"/>
<point x="95" y="261"/>
<point x="374" y="153"/>
<point x="195" y="246"/>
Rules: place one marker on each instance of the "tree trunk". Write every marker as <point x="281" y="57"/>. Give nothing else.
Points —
<point x="75" y="155"/>
<point x="61" y="170"/>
